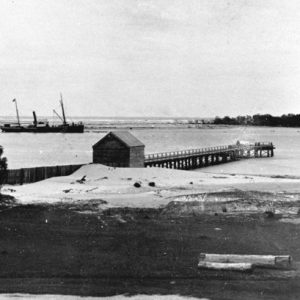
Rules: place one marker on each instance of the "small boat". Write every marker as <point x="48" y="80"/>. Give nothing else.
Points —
<point x="43" y="126"/>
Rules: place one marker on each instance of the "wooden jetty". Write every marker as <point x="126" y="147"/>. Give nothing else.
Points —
<point x="185" y="160"/>
<point x="198" y="158"/>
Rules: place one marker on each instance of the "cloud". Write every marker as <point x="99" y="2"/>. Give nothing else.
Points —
<point x="151" y="56"/>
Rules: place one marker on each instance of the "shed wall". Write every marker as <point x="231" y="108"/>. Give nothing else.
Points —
<point x="137" y="157"/>
<point x="111" y="153"/>
<point x="114" y="151"/>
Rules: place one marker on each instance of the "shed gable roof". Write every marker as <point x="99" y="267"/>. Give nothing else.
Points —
<point x="124" y="137"/>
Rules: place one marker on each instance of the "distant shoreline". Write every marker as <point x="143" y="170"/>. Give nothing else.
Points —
<point x="108" y="127"/>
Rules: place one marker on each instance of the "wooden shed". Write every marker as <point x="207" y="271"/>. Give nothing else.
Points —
<point x="119" y="149"/>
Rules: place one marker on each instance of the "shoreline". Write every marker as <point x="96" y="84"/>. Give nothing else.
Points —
<point x="103" y="236"/>
<point x="116" y="185"/>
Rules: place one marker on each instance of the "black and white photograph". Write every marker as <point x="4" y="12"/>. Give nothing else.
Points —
<point x="149" y="150"/>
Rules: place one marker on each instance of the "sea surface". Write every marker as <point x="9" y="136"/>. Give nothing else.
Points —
<point x="32" y="149"/>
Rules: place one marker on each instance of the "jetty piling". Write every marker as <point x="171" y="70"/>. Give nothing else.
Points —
<point x="123" y="150"/>
<point x="204" y="157"/>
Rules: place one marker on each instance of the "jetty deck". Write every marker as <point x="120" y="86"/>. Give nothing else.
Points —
<point x="184" y="160"/>
<point x="204" y="157"/>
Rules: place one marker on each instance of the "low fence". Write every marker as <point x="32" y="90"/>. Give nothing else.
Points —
<point x="193" y="158"/>
<point x="30" y="175"/>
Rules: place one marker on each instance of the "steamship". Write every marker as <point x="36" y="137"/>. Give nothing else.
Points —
<point x="44" y="126"/>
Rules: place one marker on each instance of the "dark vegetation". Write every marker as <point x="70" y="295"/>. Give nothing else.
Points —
<point x="3" y="169"/>
<point x="290" y="120"/>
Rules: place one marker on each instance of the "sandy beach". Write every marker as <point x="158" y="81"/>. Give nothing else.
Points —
<point x="157" y="187"/>
<point x="106" y="231"/>
<point x="198" y="102"/>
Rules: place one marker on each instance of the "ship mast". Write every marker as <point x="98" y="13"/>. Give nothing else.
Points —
<point x="58" y="115"/>
<point x="18" y="118"/>
<point x="63" y="110"/>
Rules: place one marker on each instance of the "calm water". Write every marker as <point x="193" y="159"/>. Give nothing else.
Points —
<point x="28" y="149"/>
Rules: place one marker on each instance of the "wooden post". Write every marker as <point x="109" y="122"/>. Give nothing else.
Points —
<point x="21" y="176"/>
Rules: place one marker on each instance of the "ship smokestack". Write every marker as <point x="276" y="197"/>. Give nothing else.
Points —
<point x="34" y="119"/>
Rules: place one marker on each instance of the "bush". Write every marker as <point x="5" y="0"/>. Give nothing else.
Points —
<point x="3" y="168"/>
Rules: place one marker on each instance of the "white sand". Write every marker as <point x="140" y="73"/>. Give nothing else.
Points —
<point x="116" y="186"/>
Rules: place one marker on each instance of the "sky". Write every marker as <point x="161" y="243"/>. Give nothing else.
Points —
<point x="166" y="58"/>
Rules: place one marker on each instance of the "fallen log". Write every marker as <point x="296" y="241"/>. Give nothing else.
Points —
<point x="242" y="267"/>
<point x="256" y="260"/>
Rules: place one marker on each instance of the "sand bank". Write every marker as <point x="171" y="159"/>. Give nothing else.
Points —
<point x="101" y="236"/>
<point x="156" y="186"/>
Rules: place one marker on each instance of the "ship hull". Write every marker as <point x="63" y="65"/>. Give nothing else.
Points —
<point x="43" y="127"/>
<point x="46" y="129"/>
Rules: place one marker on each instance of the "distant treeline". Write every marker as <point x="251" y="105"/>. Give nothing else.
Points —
<point x="289" y="120"/>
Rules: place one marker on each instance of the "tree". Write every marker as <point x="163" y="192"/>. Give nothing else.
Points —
<point x="3" y="169"/>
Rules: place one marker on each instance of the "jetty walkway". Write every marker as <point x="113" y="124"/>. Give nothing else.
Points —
<point x="198" y="158"/>
<point x="185" y="160"/>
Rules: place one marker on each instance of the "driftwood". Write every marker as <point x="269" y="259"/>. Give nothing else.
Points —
<point x="243" y="267"/>
<point x="283" y="261"/>
<point x="255" y="260"/>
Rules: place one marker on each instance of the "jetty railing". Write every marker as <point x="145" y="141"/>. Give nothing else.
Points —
<point x="185" y="153"/>
<point x="197" y="158"/>
<point x="185" y="159"/>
